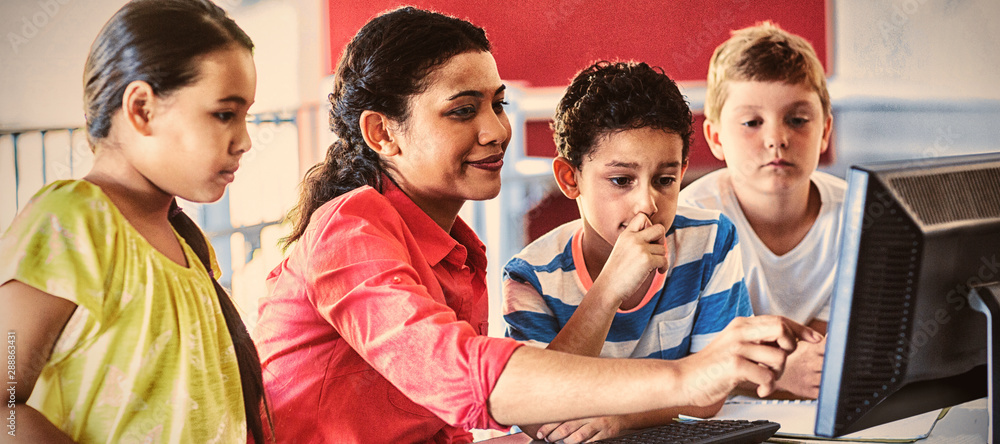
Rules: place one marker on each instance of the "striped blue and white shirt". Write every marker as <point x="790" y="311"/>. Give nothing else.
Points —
<point x="685" y="308"/>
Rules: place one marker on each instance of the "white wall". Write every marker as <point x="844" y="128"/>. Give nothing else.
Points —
<point x="915" y="79"/>
<point x="42" y="58"/>
<point x="918" y="48"/>
<point x="45" y="45"/>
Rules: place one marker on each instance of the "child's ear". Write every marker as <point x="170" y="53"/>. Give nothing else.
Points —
<point x="377" y="134"/>
<point x="566" y="177"/>
<point x="712" y="136"/>
<point x="827" y="132"/>
<point x="138" y="104"/>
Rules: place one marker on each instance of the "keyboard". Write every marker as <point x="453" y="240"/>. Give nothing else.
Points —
<point x="711" y="431"/>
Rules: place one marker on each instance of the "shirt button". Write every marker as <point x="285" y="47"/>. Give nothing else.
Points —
<point x="396" y="280"/>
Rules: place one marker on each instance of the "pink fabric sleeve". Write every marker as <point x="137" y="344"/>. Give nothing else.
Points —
<point x="379" y="302"/>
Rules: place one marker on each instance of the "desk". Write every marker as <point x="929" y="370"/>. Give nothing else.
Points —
<point x="964" y="424"/>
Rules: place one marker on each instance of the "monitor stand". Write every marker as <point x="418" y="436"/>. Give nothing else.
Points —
<point x="985" y="298"/>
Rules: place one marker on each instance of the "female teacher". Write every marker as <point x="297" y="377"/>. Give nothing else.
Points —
<point x="375" y="326"/>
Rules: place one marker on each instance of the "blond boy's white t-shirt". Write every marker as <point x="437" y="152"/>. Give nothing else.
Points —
<point x="799" y="283"/>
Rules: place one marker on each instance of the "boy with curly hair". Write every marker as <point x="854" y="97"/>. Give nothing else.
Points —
<point x="768" y="117"/>
<point x="636" y="276"/>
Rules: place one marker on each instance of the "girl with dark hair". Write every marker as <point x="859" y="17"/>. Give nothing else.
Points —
<point x="122" y="333"/>
<point x="375" y="326"/>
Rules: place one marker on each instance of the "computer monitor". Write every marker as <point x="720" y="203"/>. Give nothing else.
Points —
<point x="902" y="337"/>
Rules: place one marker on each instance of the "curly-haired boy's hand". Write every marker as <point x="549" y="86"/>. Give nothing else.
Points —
<point x="638" y="252"/>
<point x="803" y="371"/>
<point x="750" y="349"/>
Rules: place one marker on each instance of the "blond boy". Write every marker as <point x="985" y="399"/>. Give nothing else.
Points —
<point x="768" y="117"/>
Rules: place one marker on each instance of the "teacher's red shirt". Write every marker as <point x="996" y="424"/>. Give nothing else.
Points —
<point x="375" y="327"/>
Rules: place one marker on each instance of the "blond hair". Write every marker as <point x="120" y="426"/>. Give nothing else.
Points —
<point x="763" y="53"/>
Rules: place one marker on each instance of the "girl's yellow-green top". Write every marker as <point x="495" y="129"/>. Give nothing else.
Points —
<point x="146" y="356"/>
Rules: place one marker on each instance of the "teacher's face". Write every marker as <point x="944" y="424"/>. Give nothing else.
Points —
<point x="452" y="145"/>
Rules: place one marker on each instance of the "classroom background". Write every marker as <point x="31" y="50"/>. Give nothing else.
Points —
<point x="909" y="79"/>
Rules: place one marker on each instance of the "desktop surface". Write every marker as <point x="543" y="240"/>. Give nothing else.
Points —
<point x="964" y="424"/>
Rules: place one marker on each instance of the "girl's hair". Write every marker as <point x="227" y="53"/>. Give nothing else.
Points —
<point x="155" y="41"/>
<point x="385" y="64"/>
<point x="160" y="42"/>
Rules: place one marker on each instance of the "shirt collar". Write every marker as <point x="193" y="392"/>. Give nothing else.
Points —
<point x="460" y="246"/>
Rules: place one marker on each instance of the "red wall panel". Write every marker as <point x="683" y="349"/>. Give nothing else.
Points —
<point x="545" y="42"/>
<point x="539" y="143"/>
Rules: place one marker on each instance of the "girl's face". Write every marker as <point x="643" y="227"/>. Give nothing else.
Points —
<point x="452" y="146"/>
<point x="198" y="132"/>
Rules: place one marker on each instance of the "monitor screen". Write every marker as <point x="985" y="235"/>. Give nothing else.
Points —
<point x="902" y="337"/>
